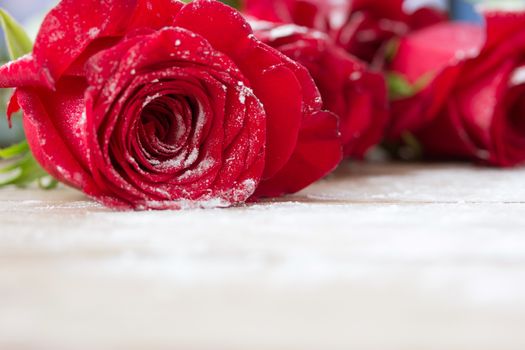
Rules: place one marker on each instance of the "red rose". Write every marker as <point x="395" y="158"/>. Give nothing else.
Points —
<point x="357" y="95"/>
<point x="157" y="104"/>
<point x="362" y="27"/>
<point x="473" y="107"/>
<point x="323" y="15"/>
<point x="373" y="23"/>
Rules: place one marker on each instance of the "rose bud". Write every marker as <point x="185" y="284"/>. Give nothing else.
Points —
<point x="466" y="90"/>
<point x="348" y="88"/>
<point x="161" y="105"/>
<point x="361" y="27"/>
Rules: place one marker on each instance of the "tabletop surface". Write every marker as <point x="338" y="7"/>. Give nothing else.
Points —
<point x="378" y="256"/>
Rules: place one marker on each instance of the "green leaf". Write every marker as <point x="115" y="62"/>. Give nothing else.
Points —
<point x="23" y="169"/>
<point x="399" y="87"/>
<point x="233" y="3"/>
<point x="14" y="150"/>
<point x="18" y="42"/>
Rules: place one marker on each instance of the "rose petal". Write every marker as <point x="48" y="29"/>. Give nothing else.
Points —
<point x="12" y="107"/>
<point x="501" y="25"/>
<point x="72" y="26"/>
<point x="46" y="141"/>
<point x="155" y="14"/>
<point x="230" y="156"/>
<point x="272" y="75"/>
<point x="348" y="89"/>
<point x="25" y="72"/>
<point x="318" y="152"/>
<point x="442" y="45"/>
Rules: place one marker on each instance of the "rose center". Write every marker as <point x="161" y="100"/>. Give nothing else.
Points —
<point x="165" y="121"/>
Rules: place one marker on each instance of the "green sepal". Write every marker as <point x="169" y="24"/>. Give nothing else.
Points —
<point x="400" y="88"/>
<point x="17" y="40"/>
<point x="14" y="150"/>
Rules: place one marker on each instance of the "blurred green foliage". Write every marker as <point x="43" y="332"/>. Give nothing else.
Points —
<point x="233" y="3"/>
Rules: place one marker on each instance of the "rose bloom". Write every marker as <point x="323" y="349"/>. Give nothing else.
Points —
<point x="161" y="105"/>
<point x="361" y="27"/>
<point x="348" y="88"/>
<point x="473" y="104"/>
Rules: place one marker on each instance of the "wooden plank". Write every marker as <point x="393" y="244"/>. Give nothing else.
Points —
<point x="375" y="257"/>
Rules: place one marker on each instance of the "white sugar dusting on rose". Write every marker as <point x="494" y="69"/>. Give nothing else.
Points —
<point x="200" y="119"/>
<point x="182" y="160"/>
<point x="192" y="157"/>
<point x="181" y="127"/>
<point x="172" y="163"/>
<point x="93" y="32"/>
<point x="149" y="99"/>
<point x="247" y="186"/>
<point x="240" y="193"/>
<point x="244" y="91"/>
<point x="81" y="124"/>
<point x="186" y="204"/>
<point x="56" y="36"/>
<point x="202" y="168"/>
<point x="162" y="192"/>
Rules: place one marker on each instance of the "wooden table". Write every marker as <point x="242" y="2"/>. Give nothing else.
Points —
<point x="376" y="257"/>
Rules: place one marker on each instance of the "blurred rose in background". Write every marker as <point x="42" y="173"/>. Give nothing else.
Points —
<point x="31" y="12"/>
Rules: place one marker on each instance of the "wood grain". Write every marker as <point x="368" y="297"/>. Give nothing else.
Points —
<point x="377" y="256"/>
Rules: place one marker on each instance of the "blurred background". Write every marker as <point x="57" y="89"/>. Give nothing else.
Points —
<point x="24" y="9"/>
<point x="30" y="13"/>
